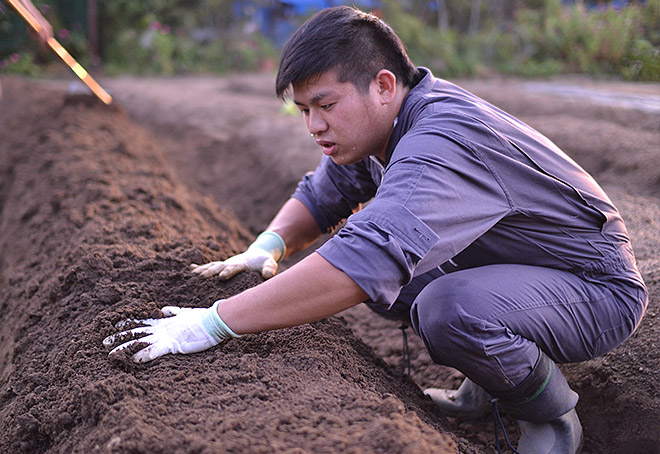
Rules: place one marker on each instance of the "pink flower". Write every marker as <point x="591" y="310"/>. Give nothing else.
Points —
<point x="14" y="58"/>
<point x="166" y="30"/>
<point x="155" y="25"/>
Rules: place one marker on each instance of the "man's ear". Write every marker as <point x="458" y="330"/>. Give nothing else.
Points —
<point x="385" y="85"/>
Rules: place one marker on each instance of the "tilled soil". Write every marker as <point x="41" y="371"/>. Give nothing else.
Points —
<point x="102" y="209"/>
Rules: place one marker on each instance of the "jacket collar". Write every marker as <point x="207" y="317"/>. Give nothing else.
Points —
<point x="410" y="107"/>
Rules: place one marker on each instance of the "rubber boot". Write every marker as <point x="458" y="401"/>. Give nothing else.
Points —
<point x="544" y="406"/>
<point x="469" y="401"/>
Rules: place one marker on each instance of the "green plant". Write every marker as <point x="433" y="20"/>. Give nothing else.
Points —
<point x="20" y="64"/>
<point x="429" y="46"/>
<point x="643" y="61"/>
<point x="596" y="41"/>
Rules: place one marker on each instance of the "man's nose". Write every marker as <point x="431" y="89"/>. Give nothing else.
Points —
<point x="316" y="123"/>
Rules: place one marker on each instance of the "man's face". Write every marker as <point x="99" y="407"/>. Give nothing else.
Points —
<point x="347" y="124"/>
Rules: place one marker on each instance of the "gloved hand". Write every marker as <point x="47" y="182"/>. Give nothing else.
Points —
<point x="188" y="330"/>
<point x="262" y="256"/>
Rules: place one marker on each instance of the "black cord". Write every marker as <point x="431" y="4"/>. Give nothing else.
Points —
<point x="497" y="419"/>
<point x="405" y="351"/>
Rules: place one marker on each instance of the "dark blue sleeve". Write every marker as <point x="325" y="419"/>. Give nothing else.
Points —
<point x="332" y="192"/>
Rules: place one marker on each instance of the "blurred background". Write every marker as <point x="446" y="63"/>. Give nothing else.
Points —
<point x="532" y="38"/>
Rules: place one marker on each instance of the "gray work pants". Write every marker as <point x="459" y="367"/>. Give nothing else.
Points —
<point x="489" y="322"/>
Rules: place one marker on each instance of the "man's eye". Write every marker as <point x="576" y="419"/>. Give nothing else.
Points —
<point x="326" y="106"/>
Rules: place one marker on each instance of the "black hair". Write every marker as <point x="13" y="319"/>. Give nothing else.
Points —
<point x="355" y="43"/>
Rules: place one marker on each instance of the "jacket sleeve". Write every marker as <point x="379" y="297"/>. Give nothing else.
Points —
<point x="333" y="192"/>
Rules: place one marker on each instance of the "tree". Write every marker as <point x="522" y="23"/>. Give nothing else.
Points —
<point x="443" y="15"/>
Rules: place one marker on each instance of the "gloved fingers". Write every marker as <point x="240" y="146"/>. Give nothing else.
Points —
<point x="148" y="339"/>
<point x="209" y="269"/>
<point x="119" y="347"/>
<point x="232" y="270"/>
<point x="151" y="352"/>
<point x="199" y="268"/>
<point x="217" y="268"/>
<point x="187" y="331"/>
<point x="135" y="321"/>
<point x="173" y="310"/>
<point x="269" y="268"/>
<point x="112" y="339"/>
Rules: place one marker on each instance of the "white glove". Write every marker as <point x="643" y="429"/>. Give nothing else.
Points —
<point x="261" y="256"/>
<point x="189" y="330"/>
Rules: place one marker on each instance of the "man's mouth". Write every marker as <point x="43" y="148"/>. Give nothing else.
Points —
<point x="327" y="147"/>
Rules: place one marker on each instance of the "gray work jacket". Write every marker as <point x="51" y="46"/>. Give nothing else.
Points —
<point x="465" y="181"/>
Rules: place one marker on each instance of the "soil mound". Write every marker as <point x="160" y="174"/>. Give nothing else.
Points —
<point x="95" y="229"/>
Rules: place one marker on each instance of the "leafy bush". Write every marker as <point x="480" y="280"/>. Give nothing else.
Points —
<point x="20" y="64"/>
<point x="544" y="38"/>
<point x="596" y="41"/>
<point x="643" y="61"/>
<point x="440" y="51"/>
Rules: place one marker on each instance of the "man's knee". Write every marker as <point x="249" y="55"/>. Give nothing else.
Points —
<point x="441" y="315"/>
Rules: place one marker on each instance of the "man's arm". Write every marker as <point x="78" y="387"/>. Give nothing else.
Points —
<point x="309" y="291"/>
<point x="296" y="225"/>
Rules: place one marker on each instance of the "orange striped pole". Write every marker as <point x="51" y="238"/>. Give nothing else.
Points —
<point x="63" y="54"/>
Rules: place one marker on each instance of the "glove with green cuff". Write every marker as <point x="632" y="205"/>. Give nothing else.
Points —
<point x="262" y="256"/>
<point x="184" y="330"/>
